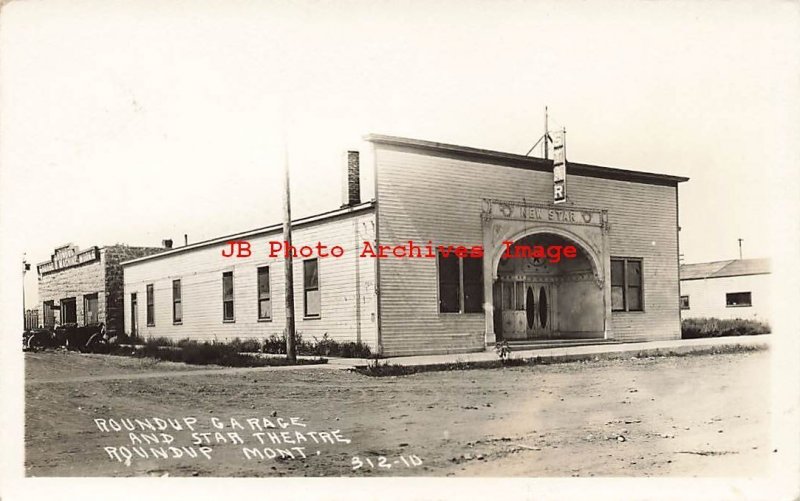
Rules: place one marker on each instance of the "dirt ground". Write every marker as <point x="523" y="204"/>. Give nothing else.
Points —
<point x="677" y="416"/>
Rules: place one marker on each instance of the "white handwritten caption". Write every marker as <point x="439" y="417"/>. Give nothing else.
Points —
<point x="259" y="438"/>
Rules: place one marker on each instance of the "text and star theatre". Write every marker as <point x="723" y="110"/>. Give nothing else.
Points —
<point x="616" y="276"/>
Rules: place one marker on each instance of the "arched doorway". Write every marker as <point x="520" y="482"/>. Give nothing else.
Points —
<point x="541" y="291"/>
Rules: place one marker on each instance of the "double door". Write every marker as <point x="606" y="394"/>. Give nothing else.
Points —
<point x="526" y="309"/>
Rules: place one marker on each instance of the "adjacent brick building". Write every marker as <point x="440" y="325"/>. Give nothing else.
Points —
<point x="85" y="286"/>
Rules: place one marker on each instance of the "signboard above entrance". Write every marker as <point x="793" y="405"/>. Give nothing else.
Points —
<point x="68" y="256"/>
<point x="500" y="209"/>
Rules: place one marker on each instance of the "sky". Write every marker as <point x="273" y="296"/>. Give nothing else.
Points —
<point x="133" y="122"/>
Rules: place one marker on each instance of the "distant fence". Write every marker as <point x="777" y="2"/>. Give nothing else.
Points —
<point x="31" y="319"/>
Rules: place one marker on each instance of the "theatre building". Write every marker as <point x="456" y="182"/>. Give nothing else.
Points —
<point x="601" y="265"/>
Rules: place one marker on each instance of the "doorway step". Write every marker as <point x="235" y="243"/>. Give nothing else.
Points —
<point x="536" y="344"/>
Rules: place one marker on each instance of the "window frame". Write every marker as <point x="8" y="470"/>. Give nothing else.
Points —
<point x="150" y="305"/>
<point x="306" y="290"/>
<point x="481" y="286"/>
<point x="178" y="301"/>
<point x="232" y="300"/>
<point x="461" y="294"/>
<point x="48" y="311"/>
<point x="267" y="318"/>
<point x="748" y="305"/>
<point x="460" y="286"/>
<point x="625" y="284"/>
<point x="86" y="299"/>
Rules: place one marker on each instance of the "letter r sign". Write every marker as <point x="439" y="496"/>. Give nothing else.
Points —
<point x="559" y="192"/>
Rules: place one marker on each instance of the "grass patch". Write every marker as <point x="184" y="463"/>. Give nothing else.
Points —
<point x="693" y="328"/>
<point x="203" y="353"/>
<point x="376" y="368"/>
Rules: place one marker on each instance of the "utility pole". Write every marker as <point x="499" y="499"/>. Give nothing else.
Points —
<point x="740" y="247"/>
<point x="287" y="263"/>
<point x="25" y="267"/>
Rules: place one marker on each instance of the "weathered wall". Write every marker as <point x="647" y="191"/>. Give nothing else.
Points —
<point x="75" y="282"/>
<point x="111" y="257"/>
<point x="347" y="287"/>
<point x="580" y="308"/>
<point x="707" y="297"/>
<point x="424" y="197"/>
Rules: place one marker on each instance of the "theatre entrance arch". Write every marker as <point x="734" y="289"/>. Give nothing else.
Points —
<point x="555" y="297"/>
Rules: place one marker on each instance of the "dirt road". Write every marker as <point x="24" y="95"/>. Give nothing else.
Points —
<point x="688" y="416"/>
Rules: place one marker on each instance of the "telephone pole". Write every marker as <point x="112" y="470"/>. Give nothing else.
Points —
<point x="740" y="247"/>
<point x="287" y="264"/>
<point x="25" y="267"/>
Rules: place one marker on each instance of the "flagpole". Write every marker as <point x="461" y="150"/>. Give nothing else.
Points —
<point x="545" y="132"/>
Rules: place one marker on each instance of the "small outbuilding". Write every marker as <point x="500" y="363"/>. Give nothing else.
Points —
<point x="736" y="288"/>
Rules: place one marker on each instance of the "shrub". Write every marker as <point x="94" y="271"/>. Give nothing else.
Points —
<point x="325" y="347"/>
<point x="205" y="353"/>
<point x="246" y="346"/>
<point x="161" y="341"/>
<point x="503" y="350"/>
<point x="692" y="328"/>
<point x="125" y="338"/>
<point x="274" y="344"/>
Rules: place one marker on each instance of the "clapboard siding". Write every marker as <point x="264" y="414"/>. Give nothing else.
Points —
<point x="343" y="282"/>
<point x="707" y="297"/>
<point x="423" y="197"/>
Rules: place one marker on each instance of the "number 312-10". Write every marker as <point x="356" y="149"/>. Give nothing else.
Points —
<point x="383" y="462"/>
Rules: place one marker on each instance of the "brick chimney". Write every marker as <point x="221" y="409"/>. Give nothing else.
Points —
<point x="351" y="189"/>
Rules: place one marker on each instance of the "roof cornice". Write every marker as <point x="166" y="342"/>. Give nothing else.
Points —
<point x="522" y="161"/>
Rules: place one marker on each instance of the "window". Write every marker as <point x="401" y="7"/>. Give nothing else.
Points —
<point x="738" y="299"/>
<point x="311" y="297"/>
<point x="626" y="285"/>
<point x="684" y="302"/>
<point x="461" y="284"/>
<point x="90" y="309"/>
<point x="151" y="317"/>
<point x="264" y="300"/>
<point x="177" y="306"/>
<point x="69" y="314"/>
<point x="134" y="314"/>
<point x="49" y="313"/>
<point x="449" y="284"/>
<point x="473" y="285"/>
<point x="227" y="296"/>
